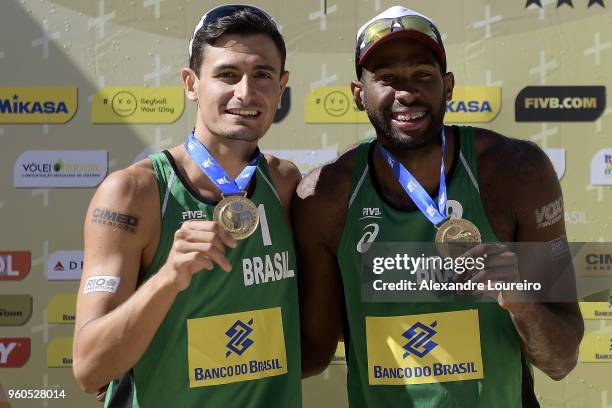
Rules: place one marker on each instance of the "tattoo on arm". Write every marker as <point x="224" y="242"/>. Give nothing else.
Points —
<point x="114" y="219"/>
<point x="549" y="214"/>
<point x="559" y="248"/>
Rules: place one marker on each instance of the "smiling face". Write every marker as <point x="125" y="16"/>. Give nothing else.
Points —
<point x="404" y="92"/>
<point x="124" y="103"/>
<point x="239" y="86"/>
<point x="336" y="103"/>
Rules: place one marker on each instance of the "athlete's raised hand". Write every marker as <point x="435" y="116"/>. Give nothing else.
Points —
<point x="197" y="245"/>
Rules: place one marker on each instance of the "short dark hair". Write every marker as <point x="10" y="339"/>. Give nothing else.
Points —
<point x="243" y="22"/>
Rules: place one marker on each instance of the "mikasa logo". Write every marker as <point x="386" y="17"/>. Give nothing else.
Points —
<point x="32" y="106"/>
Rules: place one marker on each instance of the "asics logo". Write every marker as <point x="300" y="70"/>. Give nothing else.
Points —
<point x="370" y="234"/>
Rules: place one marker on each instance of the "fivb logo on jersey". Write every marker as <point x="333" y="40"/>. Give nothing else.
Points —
<point x="197" y="215"/>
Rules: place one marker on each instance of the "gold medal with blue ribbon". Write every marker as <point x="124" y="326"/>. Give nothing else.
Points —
<point x="454" y="236"/>
<point x="235" y="213"/>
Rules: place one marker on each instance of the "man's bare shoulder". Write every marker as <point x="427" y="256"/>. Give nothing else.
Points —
<point x="515" y="176"/>
<point x="330" y="181"/>
<point x="285" y="177"/>
<point x="321" y="201"/>
<point x="130" y="193"/>
<point x="133" y="188"/>
<point x="514" y="160"/>
<point x="283" y="170"/>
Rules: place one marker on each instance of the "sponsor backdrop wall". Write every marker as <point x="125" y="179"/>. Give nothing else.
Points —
<point x="89" y="87"/>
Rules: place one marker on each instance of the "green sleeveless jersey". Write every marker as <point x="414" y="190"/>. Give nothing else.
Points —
<point x="463" y="353"/>
<point x="230" y="339"/>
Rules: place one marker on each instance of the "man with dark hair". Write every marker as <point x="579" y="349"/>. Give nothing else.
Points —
<point x="188" y="296"/>
<point x="461" y="351"/>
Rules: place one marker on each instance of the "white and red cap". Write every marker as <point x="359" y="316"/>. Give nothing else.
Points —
<point x="425" y="32"/>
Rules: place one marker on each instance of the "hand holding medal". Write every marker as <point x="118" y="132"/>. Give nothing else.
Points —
<point x="499" y="276"/>
<point x="235" y="213"/>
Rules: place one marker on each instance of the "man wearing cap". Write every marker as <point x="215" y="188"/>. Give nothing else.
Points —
<point x="459" y="351"/>
<point x="189" y="296"/>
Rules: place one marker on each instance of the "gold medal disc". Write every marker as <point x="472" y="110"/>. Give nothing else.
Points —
<point x="455" y="236"/>
<point x="237" y="215"/>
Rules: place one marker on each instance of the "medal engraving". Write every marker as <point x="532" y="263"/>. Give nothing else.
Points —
<point x="237" y="215"/>
<point x="455" y="236"/>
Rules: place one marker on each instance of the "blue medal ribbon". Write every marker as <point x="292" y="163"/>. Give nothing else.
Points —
<point x="435" y="214"/>
<point x="209" y="166"/>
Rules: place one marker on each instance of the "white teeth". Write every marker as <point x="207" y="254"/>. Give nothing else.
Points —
<point x="409" y="116"/>
<point x="243" y="112"/>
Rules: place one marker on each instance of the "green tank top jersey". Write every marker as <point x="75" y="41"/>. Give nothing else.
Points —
<point x="478" y="349"/>
<point x="230" y="339"/>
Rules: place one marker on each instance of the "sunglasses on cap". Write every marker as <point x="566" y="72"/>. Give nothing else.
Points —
<point x="227" y="10"/>
<point x="410" y="26"/>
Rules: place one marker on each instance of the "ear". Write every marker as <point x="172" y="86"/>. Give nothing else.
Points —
<point x="449" y="85"/>
<point x="190" y="81"/>
<point x="284" y="78"/>
<point x="357" y="90"/>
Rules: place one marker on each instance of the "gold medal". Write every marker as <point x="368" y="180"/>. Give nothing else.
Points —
<point x="237" y="215"/>
<point x="455" y="236"/>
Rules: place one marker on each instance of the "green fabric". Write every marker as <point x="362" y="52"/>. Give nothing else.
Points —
<point x="500" y="345"/>
<point x="161" y="377"/>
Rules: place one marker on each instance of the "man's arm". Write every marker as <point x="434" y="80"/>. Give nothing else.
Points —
<point x="318" y="214"/>
<point x="550" y="332"/>
<point x="114" y="328"/>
